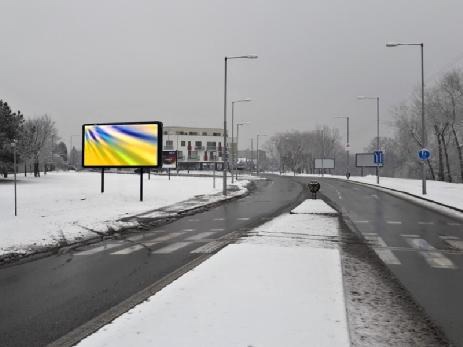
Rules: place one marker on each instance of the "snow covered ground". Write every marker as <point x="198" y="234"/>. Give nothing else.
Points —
<point x="63" y="207"/>
<point x="450" y="194"/>
<point x="281" y="286"/>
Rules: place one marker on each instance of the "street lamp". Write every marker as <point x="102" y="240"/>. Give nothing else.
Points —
<point x="347" y="146"/>
<point x="423" y="130"/>
<point x="225" y="154"/>
<point x="237" y="137"/>
<point x="233" y="117"/>
<point x="13" y="145"/>
<point x="377" y="127"/>
<point x="257" y="156"/>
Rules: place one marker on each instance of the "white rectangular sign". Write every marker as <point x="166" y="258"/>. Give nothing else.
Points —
<point x="324" y="163"/>
<point x="366" y="160"/>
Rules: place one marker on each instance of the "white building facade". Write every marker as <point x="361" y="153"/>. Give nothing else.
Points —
<point x="197" y="148"/>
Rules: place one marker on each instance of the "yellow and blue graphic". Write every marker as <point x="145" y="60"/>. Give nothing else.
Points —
<point x="121" y="145"/>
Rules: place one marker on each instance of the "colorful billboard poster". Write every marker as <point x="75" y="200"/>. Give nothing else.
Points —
<point x="169" y="159"/>
<point x="134" y="144"/>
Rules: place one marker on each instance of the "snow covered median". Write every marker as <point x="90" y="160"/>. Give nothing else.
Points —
<point x="276" y="287"/>
<point x="63" y="207"/>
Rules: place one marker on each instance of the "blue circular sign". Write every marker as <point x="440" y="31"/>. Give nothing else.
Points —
<point x="424" y="154"/>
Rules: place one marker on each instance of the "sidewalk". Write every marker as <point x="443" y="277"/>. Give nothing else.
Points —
<point x="280" y="286"/>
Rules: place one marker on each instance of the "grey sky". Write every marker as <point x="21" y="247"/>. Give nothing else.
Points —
<point x="95" y="61"/>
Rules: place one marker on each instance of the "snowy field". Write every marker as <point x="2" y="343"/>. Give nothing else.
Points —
<point x="276" y="287"/>
<point x="442" y="192"/>
<point x="63" y="207"/>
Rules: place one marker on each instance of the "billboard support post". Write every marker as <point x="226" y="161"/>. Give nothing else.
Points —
<point x="169" y="173"/>
<point x="141" y="184"/>
<point x="102" y="179"/>
<point x="149" y="173"/>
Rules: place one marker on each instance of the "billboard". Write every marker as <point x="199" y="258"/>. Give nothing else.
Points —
<point x="366" y="160"/>
<point x="324" y="163"/>
<point x="169" y="159"/>
<point x="132" y="144"/>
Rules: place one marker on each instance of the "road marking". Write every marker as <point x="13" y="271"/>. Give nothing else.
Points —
<point x="454" y="224"/>
<point x="167" y="237"/>
<point x="129" y="250"/>
<point x="393" y="222"/>
<point x="217" y="229"/>
<point x="243" y="218"/>
<point x="210" y="247"/>
<point x="99" y="249"/>
<point x="370" y="233"/>
<point x="434" y="258"/>
<point x="193" y="220"/>
<point x="189" y="229"/>
<point x="219" y="218"/>
<point x="410" y="235"/>
<point x="449" y="237"/>
<point x="375" y="196"/>
<point x="200" y="236"/>
<point x="172" y="247"/>
<point x="426" y="223"/>
<point x="383" y="253"/>
<point x="362" y="221"/>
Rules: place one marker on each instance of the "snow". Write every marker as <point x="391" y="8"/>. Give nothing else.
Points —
<point x="62" y="207"/>
<point x="314" y="206"/>
<point x="273" y="288"/>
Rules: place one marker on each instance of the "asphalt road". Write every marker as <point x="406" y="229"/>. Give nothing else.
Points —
<point x="422" y="247"/>
<point x="45" y="299"/>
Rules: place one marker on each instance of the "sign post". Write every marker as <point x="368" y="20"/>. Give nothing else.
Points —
<point x="141" y="184"/>
<point x="169" y="161"/>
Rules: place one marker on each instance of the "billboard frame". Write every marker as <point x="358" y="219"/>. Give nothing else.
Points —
<point x="176" y="160"/>
<point x="323" y="160"/>
<point x="159" y="149"/>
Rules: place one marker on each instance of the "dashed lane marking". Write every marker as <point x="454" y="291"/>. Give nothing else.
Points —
<point x="426" y="223"/>
<point x="210" y="247"/>
<point x="148" y="243"/>
<point x="172" y="247"/>
<point x="189" y="229"/>
<point x="243" y="218"/>
<point x="129" y="250"/>
<point x="434" y="258"/>
<point x="219" y="218"/>
<point x="454" y="224"/>
<point x="217" y="229"/>
<point x="200" y="236"/>
<point x="99" y="249"/>
<point x="385" y="254"/>
<point x="362" y="221"/>
<point x="409" y="235"/>
<point x="395" y="222"/>
<point x="449" y="237"/>
<point x="193" y="220"/>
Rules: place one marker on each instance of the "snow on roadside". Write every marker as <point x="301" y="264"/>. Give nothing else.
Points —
<point x="314" y="206"/>
<point x="63" y="207"/>
<point x="273" y="288"/>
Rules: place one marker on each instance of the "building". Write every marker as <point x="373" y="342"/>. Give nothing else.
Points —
<point x="197" y="148"/>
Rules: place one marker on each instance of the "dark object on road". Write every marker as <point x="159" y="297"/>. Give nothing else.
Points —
<point x="314" y="187"/>
<point x="348" y="175"/>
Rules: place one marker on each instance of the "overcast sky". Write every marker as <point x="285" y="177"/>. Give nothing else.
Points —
<point x="106" y="61"/>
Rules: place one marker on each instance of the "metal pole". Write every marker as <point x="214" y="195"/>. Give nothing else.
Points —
<point x="141" y="184"/>
<point x="323" y="150"/>
<point x="102" y="179"/>
<point x="237" y="136"/>
<point x="348" y="149"/>
<point x="213" y="180"/>
<point x="15" y="195"/>
<point x="257" y="157"/>
<point x="423" y="132"/>
<point x="377" y="137"/>
<point x="232" y="147"/>
<point x="224" y="154"/>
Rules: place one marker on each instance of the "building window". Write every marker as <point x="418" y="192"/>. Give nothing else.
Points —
<point x="204" y="134"/>
<point x="198" y="144"/>
<point x="165" y="132"/>
<point x="194" y="133"/>
<point x="169" y="144"/>
<point x="211" y="146"/>
<point x="182" y="143"/>
<point x="216" y="134"/>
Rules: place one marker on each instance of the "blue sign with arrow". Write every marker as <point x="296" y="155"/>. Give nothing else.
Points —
<point x="424" y="154"/>
<point x="378" y="157"/>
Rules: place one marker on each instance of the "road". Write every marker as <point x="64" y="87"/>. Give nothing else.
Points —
<point x="45" y="299"/>
<point x="422" y="247"/>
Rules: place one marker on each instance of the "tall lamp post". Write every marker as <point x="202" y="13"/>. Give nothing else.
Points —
<point x="225" y="154"/>
<point x="257" y="154"/>
<point x="237" y="138"/>
<point x="423" y="125"/>
<point x="377" y="127"/>
<point x="233" y="126"/>
<point x="347" y="146"/>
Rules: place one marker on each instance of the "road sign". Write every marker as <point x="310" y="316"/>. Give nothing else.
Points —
<point x="424" y="154"/>
<point x="378" y="157"/>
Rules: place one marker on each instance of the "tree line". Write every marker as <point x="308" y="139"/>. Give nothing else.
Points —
<point x="36" y="140"/>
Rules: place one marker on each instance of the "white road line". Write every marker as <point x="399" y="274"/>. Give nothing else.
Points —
<point x="99" y="249"/>
<point x="217" y="229"/>
<point x="449" y="237"/>
<point x="243" y="218"/>
<point x="385" y="255"/>
<point x="375" y="196"/>
<point x="370" y="234"/>
<point x="167" y="237"/>
<point x="219" y="218"/>
<point x="189" y="229"/>
<point x="210" y="247"/>
<point x="172" y="247"/>
<point x="393" y="222"/>
<point x="200" y="236"/>
<point x="434" y="258"/>
<point x="362" y="221"/>
<point x="454" y="224"/>
<point x="193" y="220"/>
<point x="410" y="235"/>
<point x="426" y="223"/>
<point x="128" y="250"/>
